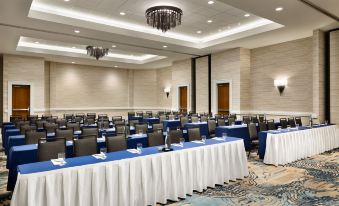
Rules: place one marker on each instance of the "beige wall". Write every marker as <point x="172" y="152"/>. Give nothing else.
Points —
<point x="334" y="79"/>
<point x="202" y="84"/>
<point x="164" y="80"/>
<point x="291" y="60"/>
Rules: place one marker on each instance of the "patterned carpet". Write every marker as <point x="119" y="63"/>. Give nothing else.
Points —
<point x="312" y="181"/>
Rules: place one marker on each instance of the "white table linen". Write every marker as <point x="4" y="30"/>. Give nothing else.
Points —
<point x="284" y="148"/>
<point x="142" y="180"/>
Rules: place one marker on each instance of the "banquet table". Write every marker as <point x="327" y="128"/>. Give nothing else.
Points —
<point x="286" y="146"/>
<point x="203" y="126"/>
<point x="25" y="154"/>
<point x="172" y="124"/>
<point x="126" y="178"/>
<point x="3" y="132"/>
<point x="139" y="118"/>
<point x="151" y="120"/>
<point x="240" y="131"/>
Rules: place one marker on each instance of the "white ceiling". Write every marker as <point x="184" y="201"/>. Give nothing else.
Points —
<point x="19" y="19"/>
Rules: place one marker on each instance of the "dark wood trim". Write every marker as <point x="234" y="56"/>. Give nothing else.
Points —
<point x="209" y="83"/>
<point x="193" y="80"/>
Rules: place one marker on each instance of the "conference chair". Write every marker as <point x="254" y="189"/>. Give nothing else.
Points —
<point x="262" y="126"/>
<point x="50" y="127"/>
<point x="157" y="127"/>
<point x="231" y="120"/>
<point x="68" y="117"/>
<point x="211" y="127"/>
<point x="68" y="134"/>
<point x="91" y="115"/>
<point x="141" y="127"/>
<point x="271" y="125"/>
<point x="283" y="122"/>
<point x="194" y="134"/>
<point x="175" y="136"/>
<point x="132" y="123"/>
<point x="246" y="119"/>
<point x="291" y="121"/>
<point x="48" y="150"/>
<point x="32" y="119"/>
<point x="171" y="117"/>
<point x="61" y="123"/>
<point x="140" y="113"/>
<point x="116" y="118"/>
<point x="25" y="128"/>
<point x="121" y="130"/>
<point x="46" y="116"/>
<point x="103" y="124"/>
<point x="221" y="122"/>
<point x="40" y="124"/>
<point x="149" y="114"/>
<point x="183" y="121"/>
<point x="121" y="122"/>
<point x="194" y="119"/>
<point x="90" y="131"/>
<point x="78" y="119"/>
<point x="15" y="118"/>
<point x="261" y="118"/>
<point x="254" y="119"/>
<point x="51" y="119"/>
<point x="217" y="116"/>
<point x="75" y="126"/>
<point x="252" y="129"/>
<point x="162" y="118"/>
<point x="203" y="118"/>
<point x="103" y="117"/>
<point x="89" y="121"/>
<point x="82" y="115"/>
<point x="298" y="121"/>
<point x="155" y="139"/>
<point x="85" y="146"/>
<point x="20" y="123"/>
<point x="32" y="137"/>
<point x="116" y="143"/>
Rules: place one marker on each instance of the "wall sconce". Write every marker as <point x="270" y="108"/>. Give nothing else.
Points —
<point x="167" y="91"/>
<point x="280" y="84"/>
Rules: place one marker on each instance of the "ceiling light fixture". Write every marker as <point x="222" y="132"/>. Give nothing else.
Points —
<point x="77" y="31"/>
<point x="164" y="46"/>
<point x="210" y="2"/>
<point x="37" y="42"/>
<point x="163" y="18"/>
<point x="114" y="46"/>
<point x="209" y="21"/>
<point x="73" y="62"/>
<point x="247" y="15"/>
<point x="199" y="32"/>
<point x="122" y="13"/>
<point x="97" y="52"/>
<point x="116" y="66"/>
<point x="66" y="0"/>
<point x="279" y="8"/>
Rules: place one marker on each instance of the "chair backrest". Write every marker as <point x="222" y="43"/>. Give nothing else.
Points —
<point x="25" y="128"/>
<point x="74" y="126"/>
<point x="157" y="127"/>
<point x="217" y="116"/>
<point x="40" y="123"/>
<point x="68" y="117"/>
<point x="68" y="134"/>
<point x="89" y="120"/>
<point x="262" y="126"/>
<point x="149" y="113"/>
<point x="221" y="122"/>
<point x="211" y="126"/>
<point x="61" y="122"/>
<point x="32" y="118"/>
<point x="298" y="121"/>
<point x="32" y="137"/>
<point x="15" y="118"/>
<point x="194" y="134"/>
<point x="139" y="113"/>
<point x="234" y="116"/>
<point x="20" y="123"/>
<point x="52" y="119"/>
<point x="133" y="122"/>
<point x="231" y="120"/>
<point x="120" y="122"/>
<point x="252" y="129"/>
<point x="195" y="119"/>
<point x="48" y="150"/>
<point x="50" y="127"/>
<point x="203" y="118"/>
<point x="116" y="143"/>
<point x="116" y="118"/>
<point x="121" y="129"/>
<point x="80" y="115"/>
<point x="261" y="118"/>
<point x="254" y="119"/>
<point x="171" y="117"/>
<point x="155" y="139"/>
<point x="283" y="122"/>
<point x="141" y="127"/>
<point x="103" y="124"/>
<point x="291" y="121"/>
<point x="85" y="146"/>
<point x="91" y="115"/>
<point x="78" y="119"/>
<point x="175" y="136"/>
<point x="271" y="125"/>
<point x="183" y="121"/>
<point x="246" y="119"/>
<point x="162" y="118"/>
<point x="90" y="131"/>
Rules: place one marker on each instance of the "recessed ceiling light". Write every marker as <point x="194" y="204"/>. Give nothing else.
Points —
<point x="239" y="23"/>
<point x="115" y="66"/>
<point x="210" y="2"/>
<point x="73" y="47"/>
<point x="77" y="31"/>
<point x="114" y="46"/>
<point x="67" y="0"/>
<point x="73" y="62"/>
<point x="247" y="15"/>
<point x="37" y="42"/>
<point x="209" y="21"/>
<point x="279" y="9"/>
<point x="164" y="46"/>
<point x="122" y="13"/>
<point x="199" y="32"/>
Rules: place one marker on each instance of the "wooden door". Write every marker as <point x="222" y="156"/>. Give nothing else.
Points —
<point x="21" y="100"/>
<point x="183" y="99"/>
<point x="223" y="98"/>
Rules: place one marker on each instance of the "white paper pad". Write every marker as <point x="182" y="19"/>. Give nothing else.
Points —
<point x="58" y="162"/>
<point x="198" y="142"/>
<point x="176" y="145"/>
<point x="134" y="151"/>
<point x="99" y="156"/>
<point x="218" y="138"/>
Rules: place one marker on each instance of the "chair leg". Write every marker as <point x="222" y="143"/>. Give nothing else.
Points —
<point x="249" y="153"/>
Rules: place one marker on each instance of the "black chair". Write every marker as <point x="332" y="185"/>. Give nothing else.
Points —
<point x="157" y="127"/>
<point x="48" y="150"/>
<point x="263" y="126"/>
<point x="32" y="137"/>
<point x="221" y="122"/>
<point x="116" y="143"/>
<point x="50" y="127"/>
<point x="33" y="118"/>
<point x="246" y="119"/>
<point x="74" y="126"/>
<point x="139" y="113"/>
<point x="253" y="133"/>
<point x="91" y="115"/>
<point x="194" y="134"/>
<point x="116" y="118"/>
<point x="85" y="146"/>
<point x="149" y="113"/>
<point x="211" y="127"/>
<point x="283" y="123"/>
<point x="175" y="136"/>
<point x="271" y="125"/>
<point x="291" y="121"/>
<point x="218" y="116"/>
<point x="141" y="127"/>
<point x="155" y="139"/>
<point x="231" y="120"/>
<point x="194" y="119"/>
<point x="120" y="122"/>
<point x="254" y="119"/>
<point x="90" y="131"/>
<point x="121" y="130"/>
<point x="132" y="123"/>
<point x="61" y="123"/>
<point x="78" y="119"/>
<point x="68" y="117"/>
<point x="103" y="124"/>
<point x="183" y="121"/>
<point x="40" y="124"/>
<point x="261" y="118"/>
<point x="67" y="134"/>
<point x="20" y="123"/>
<point x="203" y="118"/>
<point x="25" y="128"/>
<point x="298" y="121"/>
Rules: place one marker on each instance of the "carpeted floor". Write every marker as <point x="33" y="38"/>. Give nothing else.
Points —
<point x="312" y="181"/>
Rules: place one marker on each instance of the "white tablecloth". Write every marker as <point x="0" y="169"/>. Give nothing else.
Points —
<point x="136" y="181"/>
<point x="283" y="148"/>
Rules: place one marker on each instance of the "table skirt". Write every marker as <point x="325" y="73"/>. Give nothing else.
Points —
<point x="136" y="181"/>
<point x="287" y="147"/>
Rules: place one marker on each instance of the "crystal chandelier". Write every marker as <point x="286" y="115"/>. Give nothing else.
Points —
<point x="163" y="17"/>
<point x="97" y="52"/>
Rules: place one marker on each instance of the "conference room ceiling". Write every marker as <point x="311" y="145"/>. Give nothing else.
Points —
<point x="53" y="22"/>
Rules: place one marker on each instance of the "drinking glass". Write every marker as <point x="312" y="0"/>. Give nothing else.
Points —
<point x="297" y="126"/>
<point x="182" y="140"/>
<point x="288" y="127"/>
<point x="279" y="128"/>
<point x="103" y="150"/>
<point x="140" y="132"/>
<point x="61" y="155"/>
<point x="233" y="123"/>
<point x="224" y="136"/>
<point x="326" y="122"/>
<point x="203" y="138"/>
<point x="139" y="148"/>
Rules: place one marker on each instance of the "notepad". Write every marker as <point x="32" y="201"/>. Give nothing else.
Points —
<point x="100" y="156"/>
<point x="218" y="138"/>
<point x="58" y="162"/>
<point x="198" y="142"/>
<point x="176" y="145"/>
<point x="134" y="151"/>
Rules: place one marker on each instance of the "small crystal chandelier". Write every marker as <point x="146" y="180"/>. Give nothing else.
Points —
<point x="97" y="52"/>
<point x="163" y="17"/>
